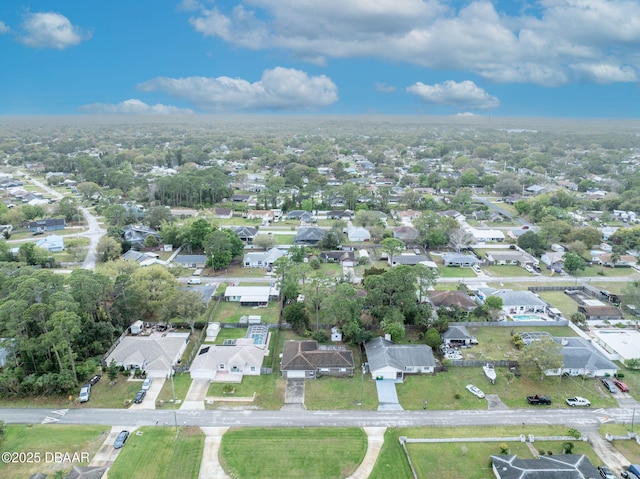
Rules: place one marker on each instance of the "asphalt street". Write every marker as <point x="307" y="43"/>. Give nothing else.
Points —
<point x="302" y="418"/>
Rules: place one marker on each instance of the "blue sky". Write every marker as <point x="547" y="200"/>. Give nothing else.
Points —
<point x="548" y="58"/>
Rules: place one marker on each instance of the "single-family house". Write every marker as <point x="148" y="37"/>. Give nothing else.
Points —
<point x="622" y="260"/>
<point x="408" y="234"/>
<point x="143" y="258"/>
<point x="251" y="295"/>
<point x="191" y="260"/>
<point x="462" y="260"/>
<point x="358" y="234"/>
<point x="409" y="259"/>
<point x="452" y="299"/>
<point x="553" y="259"/>
<point x="266" y="216"/>
<point x="581" y="357"/>
<point x="309" y="236"/>
<point x="486" y="235"/>
<point x="233" y="359"/>
<point x="136" y="234"/>
<point x="602" y="312"/>
<point x="262" y="259"/>
<point x="238" y="198"/>
<point x="49" y="224"/>
<point x="510" y="257"/>
<point x="308" y="360"/>
<point x="520" y="302"/>
<point x="53" y="243"/>
<point x="300" y="215"/>
<point x="536" y="189"/>
<point x="155" y="355"/>
<point x="388" y="360"/>
<point x="341" y="257"/>
<point x="457" y="336"/>
<point x="345" y="215"/>
<point x="245" y="233"/>
<point x="223" y="213"/>
<point x="559" y="466"/>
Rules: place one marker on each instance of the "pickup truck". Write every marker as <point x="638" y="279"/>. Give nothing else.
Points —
<point x="538" y="399"/>
<point x="578" y="401"/>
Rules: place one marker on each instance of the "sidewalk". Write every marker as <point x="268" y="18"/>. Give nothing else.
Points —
<point x="210" y="467"/>
<point x="375" y="437"/>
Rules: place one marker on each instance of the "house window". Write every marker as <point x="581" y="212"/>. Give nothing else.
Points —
<point x="221" y="366"/>
<point x="409" y="368"/>
<point x="253" y="368"/>
<point x="324" y="370"/>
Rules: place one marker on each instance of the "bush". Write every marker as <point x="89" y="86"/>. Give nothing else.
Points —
<point x="320" y="336"/>
<point x="457" y="396"/>
<point x="314" y="263"/>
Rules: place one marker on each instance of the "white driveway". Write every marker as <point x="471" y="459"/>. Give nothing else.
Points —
<point x="107" y="454"/>
<point x="149" y="401"/>
<point x="210" y="467"/>
<point x="196" y="394"/>
<point x="387" y="395"/>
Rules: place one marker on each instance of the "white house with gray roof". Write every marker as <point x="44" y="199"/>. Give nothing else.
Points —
<point x="388" y="360"/>
<point x="262" y="259"/>
<point x="520" y="302"/>
<point x="156" y="355"/>
<point x="581" y="357"/>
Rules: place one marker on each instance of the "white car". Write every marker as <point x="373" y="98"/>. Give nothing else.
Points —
<point x="475" y="391"/>
<point x="578" y="401"/>
<point x="453" y="356"/>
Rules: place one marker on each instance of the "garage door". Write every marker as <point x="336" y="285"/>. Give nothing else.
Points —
<point x="296" y="374"/>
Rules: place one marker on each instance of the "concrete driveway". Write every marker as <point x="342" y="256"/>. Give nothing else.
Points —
<point x="210" y="467"/>
<point x="387" y="395"/>
<point x="149" y="401"/>
<point x="294" y="394"/>
<point x="196" y="394"/>
<point x="107" y="454"/>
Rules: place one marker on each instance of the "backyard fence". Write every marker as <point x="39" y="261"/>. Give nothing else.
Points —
<point x="470" y="363"/>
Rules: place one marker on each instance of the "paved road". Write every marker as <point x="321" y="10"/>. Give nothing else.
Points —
<point x="298" y="418"/>
<point x="94" y="234"/>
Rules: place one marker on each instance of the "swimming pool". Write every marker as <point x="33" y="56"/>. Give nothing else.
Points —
<point x="527" y="317"/>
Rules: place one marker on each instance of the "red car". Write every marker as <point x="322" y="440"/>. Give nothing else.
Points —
<point x="621" y="386"/>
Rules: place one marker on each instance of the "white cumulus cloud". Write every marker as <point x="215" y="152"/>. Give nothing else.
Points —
<point x="50" y="30"/>
<point x="4" y="28"/>
<point x="133" y="106"/>
<point x="464" y="94"/>
<point x="538" y="46"/>
<point x="278" y="89"/>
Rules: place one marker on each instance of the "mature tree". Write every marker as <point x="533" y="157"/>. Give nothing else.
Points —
<point x="343" y="304"/>
<point x="116" y="215"/>
<point x="544" y="354"/>
<point x="494" y="305"/>
<point x="532" y="242"/>
<point x="33" y="255"/>
<point x="433" y="338"/>
<point x="198" y="231"/>
<point x="112" y="371"/>
<point x="297" y="253"/>
<point x="296" y="315"/>
<point x="459" y="238"/>
<point x="108" y="249"/>
<point x="264" y="241"/>
<point x="366" y="218"/>
<point x="68" y="209"/>
<point x="393" y="289"/>
<point x="426" y="278"/>
<point x="155" y="215"/>
<point x="155" y="287"/>
<point x="331" y="240"/>
<point x="217" y="246"/>
<point x="65" y="327"/>
<point x="88" y="188"/>
<point x="393" y="324"/>
<point x="392" y="247"/>
<point x="573" y="263"/>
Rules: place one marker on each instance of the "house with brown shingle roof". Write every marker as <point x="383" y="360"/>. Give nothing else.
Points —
<point x="449" y="299"/>
<point x="307" y="360"/>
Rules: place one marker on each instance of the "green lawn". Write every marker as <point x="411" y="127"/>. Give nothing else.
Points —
<point x="157" y="454"/>
<point x="506" y="270"/>
<point x="309" y="453"/>
<point x="284" y="239"/>
<point x="328" y="393"/>
<point x="452" y="460"/>
<point x="628" y="448"/>
<point x="230" y="312"/>
<point x="563" y="302"/>
<point x="269" y="390"/>
<point x="605" y="271"/>
<point x="43" y="439"/>
<point x="181" y="383"/>
<point x="454" y="272"/>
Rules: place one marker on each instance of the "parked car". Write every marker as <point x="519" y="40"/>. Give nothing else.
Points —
<point x="475" y="391"/>
<point x="194" y="281"/>
<point x="628" y="475"/>
<point x="140" y="396"/>
<point x="605" y="472"/>
<point x="537" y="399"/>
<point x="609" y="384"/>
<point x="85" y="392"/>
<point x="578" y="401"/>
<point x="121" y="439"/>
<point x="147" y="384"/>
<point x="621" y="386"/>
<point x="95" y="379"/>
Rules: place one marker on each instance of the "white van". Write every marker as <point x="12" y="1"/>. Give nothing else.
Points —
<point x="194" y="281"/>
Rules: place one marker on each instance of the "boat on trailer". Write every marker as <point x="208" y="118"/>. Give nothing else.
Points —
<point x="490" y="372"/>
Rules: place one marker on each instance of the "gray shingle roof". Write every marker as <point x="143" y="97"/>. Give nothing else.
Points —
<point x="382" y="352"/>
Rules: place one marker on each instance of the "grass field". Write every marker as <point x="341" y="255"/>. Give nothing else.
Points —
<point x="306" y="453"/>
<point x="327" y="393"/>
<point x="563" y="302"/>
<point x="157" y="454"/>
<point x="453" y="272"/>
<point x="506" y="270"/>
<point x="43" y="439"/>
<point x="181" y="383"/>
<point x="269" y="390"/>
<point x="230" y="312"/>
<point x="461" y="460"/>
